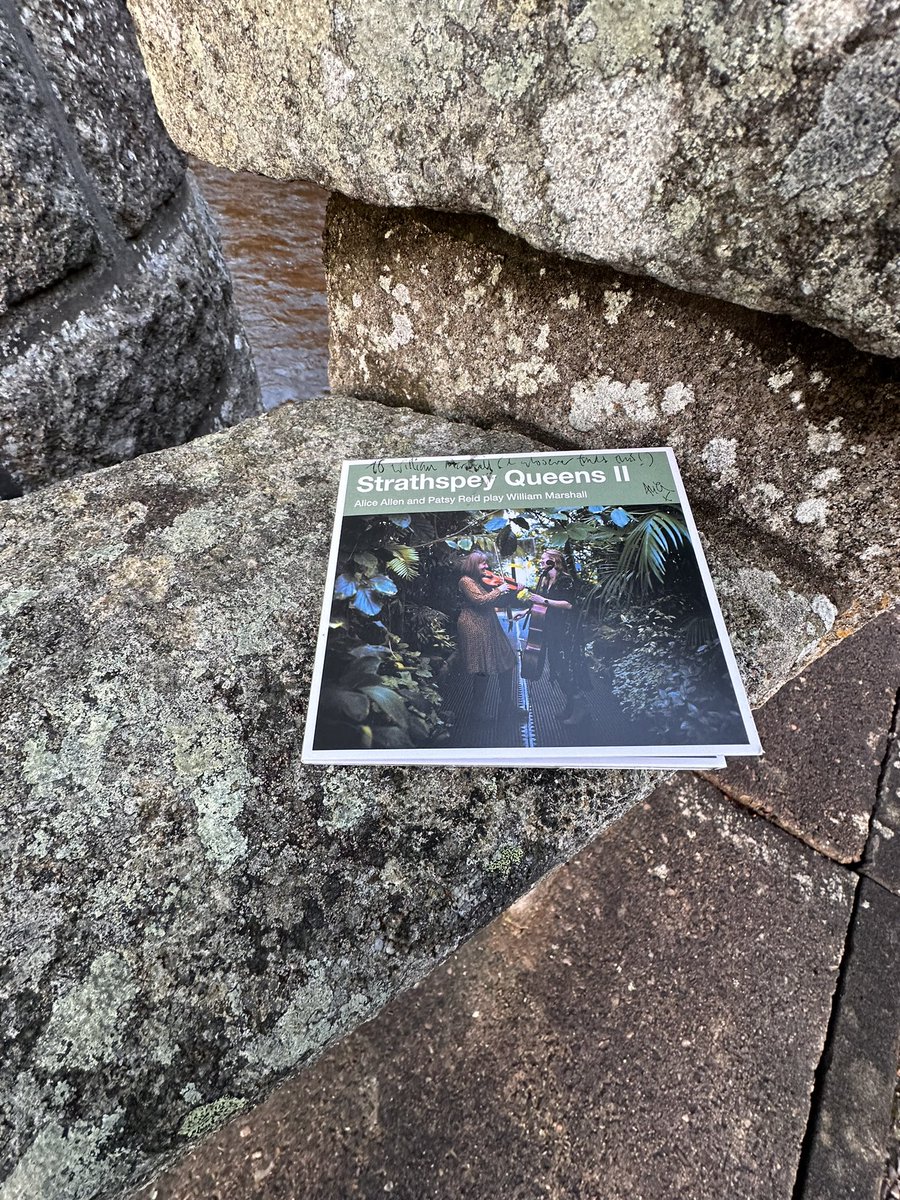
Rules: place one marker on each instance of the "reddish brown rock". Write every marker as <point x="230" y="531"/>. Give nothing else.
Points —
<point x="825" y="736"/>
<point x="644" y="1025"/>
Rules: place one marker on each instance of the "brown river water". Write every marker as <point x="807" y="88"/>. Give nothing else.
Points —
<point x="272" y="237"/>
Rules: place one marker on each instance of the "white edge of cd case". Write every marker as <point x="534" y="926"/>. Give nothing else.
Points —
<point x="569" y="756"/>
<point x="399" y="758"/>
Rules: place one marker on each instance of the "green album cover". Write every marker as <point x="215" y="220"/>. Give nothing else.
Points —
<point x="530" y="609"/>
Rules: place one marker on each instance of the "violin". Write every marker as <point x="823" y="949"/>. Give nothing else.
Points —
<point x="533" y="652"/>
<point x="492" y="579"/>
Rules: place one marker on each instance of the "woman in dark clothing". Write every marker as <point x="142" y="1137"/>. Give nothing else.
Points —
<point x="483" y="646"/>
<point x="556" y="588"/>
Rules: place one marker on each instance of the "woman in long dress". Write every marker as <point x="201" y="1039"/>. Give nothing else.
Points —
<point x="556" y="588"/>
<point x="483" y="647"/>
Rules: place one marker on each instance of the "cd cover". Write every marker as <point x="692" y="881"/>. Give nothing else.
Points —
<point x="522" y="610"/>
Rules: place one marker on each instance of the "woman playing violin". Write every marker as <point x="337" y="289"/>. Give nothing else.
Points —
<point x="483" y="646"/>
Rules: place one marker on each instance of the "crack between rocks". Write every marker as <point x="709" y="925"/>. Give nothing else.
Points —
<point x="742" y="801"/>
<point x="890" y="750"/>
<point x="824" y="1063"/>
<point x="749" y="803"/>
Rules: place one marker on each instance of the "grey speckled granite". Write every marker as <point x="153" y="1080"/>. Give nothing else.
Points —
<point x="46" y="227"/>
<point x="191" y="914"/>
<point x="94" y="67"/>
<point x="742" y="151"/>
<point x="118" y="333"/>
<point x="644" y="1025"/>
<point x="148" y="353"/>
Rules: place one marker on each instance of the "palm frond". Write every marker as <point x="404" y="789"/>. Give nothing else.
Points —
<point x="645" y="553"/>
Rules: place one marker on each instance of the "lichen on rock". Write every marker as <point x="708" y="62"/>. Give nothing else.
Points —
<point x="190" y="913"/>
<point x="739" y="152"/>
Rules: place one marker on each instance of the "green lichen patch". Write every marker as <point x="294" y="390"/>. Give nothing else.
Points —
<point x="505" y="860"/>
<point x="209" y="1117"/>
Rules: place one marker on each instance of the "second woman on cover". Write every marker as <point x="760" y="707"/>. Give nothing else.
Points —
<point x="556" y="588"/>
<point x="483" y="647"/>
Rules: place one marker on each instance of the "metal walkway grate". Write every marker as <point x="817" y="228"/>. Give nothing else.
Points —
<point x="537" y="722"/>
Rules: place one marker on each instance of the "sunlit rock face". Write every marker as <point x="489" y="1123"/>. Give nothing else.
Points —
<point x="740" y="151"/>
<point x="787" y="433"/>
<point x="190" y="913"/>
<point x="117" y="330"/>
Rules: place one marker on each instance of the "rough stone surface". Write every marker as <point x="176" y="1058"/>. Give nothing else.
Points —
<point x="740" y="151"/>
<point x="94" y="66"/>
<point x="192" y="913"/>
<point x="150" y="353"/>
<point x="852" y="1118"/>
<point x="825" y="737"/>
<point x="785" y="431"/>
<point x="118" y="333"/>
<point x="644" y="1025"/>
<point x="46" y="228"/>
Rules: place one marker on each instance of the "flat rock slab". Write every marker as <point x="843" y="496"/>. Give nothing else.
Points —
<point x="825" y="736"/>
<point x="644" y="1025"/>
<point x="191" y="913"/>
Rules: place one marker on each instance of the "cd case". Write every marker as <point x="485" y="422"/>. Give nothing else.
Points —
<point x="522" y="610"/>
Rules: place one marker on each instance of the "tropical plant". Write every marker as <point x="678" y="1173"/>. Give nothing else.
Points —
<point x="391" y="630"/>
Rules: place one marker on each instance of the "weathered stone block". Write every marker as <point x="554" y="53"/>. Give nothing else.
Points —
<point x="741" y="151"/>
<point x="46" y="228"/>
<point x="785" y="431"/>
<point x="826" y="735"/>
<point x="118" y="333"/>
<point x="152" y="353"/>
<point x="645" y="1023"/>
<point x="93" y="63"/>
<point x="191" y="913"/>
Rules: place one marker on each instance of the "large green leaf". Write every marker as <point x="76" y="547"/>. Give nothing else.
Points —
<point x="404" y="560"/>
<point x="366" y="601"/>
<point x="344" y="586"/>
<point x="495" y="522"/>
<point x="361" y="673"/>
<point x="346" y="703"/>
<point x="645" y="551"/>
<point x="388" y="702"/>
<point x="366" y="560"/>
<point x="390" y="737"/>
<point x="382" y="584"/>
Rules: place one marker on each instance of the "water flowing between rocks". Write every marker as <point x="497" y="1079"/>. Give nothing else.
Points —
<point x="272" y="238"/>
